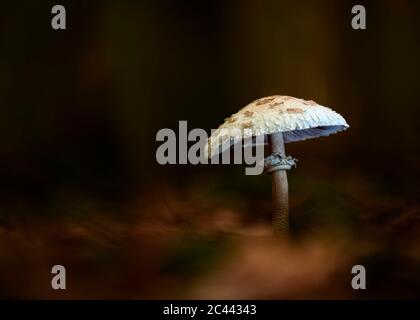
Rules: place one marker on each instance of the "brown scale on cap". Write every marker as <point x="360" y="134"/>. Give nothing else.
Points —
<point x="264" y="101"/>
<point x="295" y="110"/>
<point x="285" y="98"/>
<point x="230" y="119"/>
<point x="275" y="104"/>
<point x="309" y="102"/>
<point x="248" y="113"/>
<point x="247" y="124"/>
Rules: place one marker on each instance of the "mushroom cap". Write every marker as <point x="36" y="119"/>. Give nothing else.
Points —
<point x="298" y="119"/>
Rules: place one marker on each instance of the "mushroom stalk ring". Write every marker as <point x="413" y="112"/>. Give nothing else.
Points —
<point x="276" y="161"/>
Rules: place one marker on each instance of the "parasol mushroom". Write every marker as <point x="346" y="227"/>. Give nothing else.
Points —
<point x="280" y="119"/>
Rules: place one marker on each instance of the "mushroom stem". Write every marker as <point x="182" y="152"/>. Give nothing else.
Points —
<point x="280" y="188"/>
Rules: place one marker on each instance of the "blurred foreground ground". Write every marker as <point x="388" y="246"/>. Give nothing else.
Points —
<point x="178" y="244"/>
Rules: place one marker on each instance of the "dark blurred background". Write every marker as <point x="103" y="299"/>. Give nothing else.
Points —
<point x="80" y="109"/>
